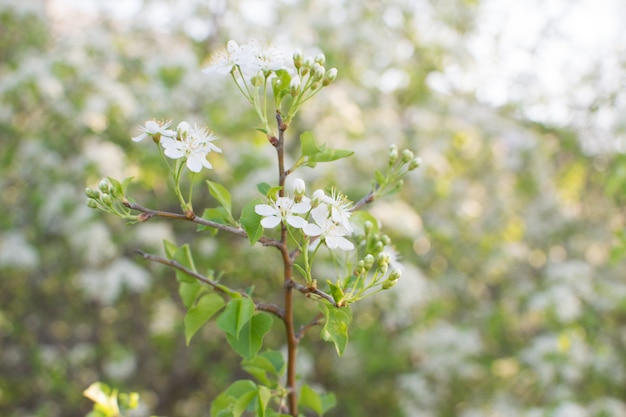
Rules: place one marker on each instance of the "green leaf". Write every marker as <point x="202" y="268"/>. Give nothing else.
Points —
<point x="328" y="154"/>
<point x="265" y="365"/>
<point x="182" y="255"/>
<point x="263" y="397"/>
<point x="308" y="145"/>
<point x="217" y="215"/>
<point x="117" y="190"/>
<point x="222" y="405"/>
<point x="199" y="314"/>
<point x="280" y="85"/>
<point x="380" y="178"/>
<point x="242" y="403"/>
<point x="336" y="292"/>
<point x="251" y="221"/>
<point x="251" y="336"/>
<point x="238" y="312"/>
<point x="336" y="326"/>
<point x="301" y="271"/>
<point x="188" y="292"/>
<point x="311" y="399"/>
<point x="263" y="188"/>
<point x="316" y="402"/>
<point x="221" y="194"/>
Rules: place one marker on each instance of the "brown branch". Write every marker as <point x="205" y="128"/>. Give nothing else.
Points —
<point x="269" y="308"/>
<point x="316" y="321"/>
<point x="307" y="290"/>
<point x="367" y="199"/>
<point x="149" y="213"/>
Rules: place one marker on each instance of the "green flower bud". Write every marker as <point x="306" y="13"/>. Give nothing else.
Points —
<point x="368" y="226"/>
<point x="383" y="268"/>
<point x="104" y="185"/>
<point x="298" y="58"/>
<point x="393" y="154"/>
<point x="385" y="239"/>
<point x="182" y="130"/>
<point x="315" y="86"/>
<point x="308" y="62"/>
<point x="415" y="163"/>
<point x="95" y="194"/>
<point x="383" y="257"/>
<point x="378" y="247"/>
<point x="395" y="275"/>
<point x="368" y="261"/>
<point x="257" y="80"/>
<point x="389" y="284"/>
<point x="318" y="71"/>
<point x="298" y="189"/>
<point x="407" y="155"/>
<point x="329" y="77"/>
<point x="294" y="86"/>
<point x="91" y="203"/>
<point x="106" y="199"/>
<point x="320" y="59"/>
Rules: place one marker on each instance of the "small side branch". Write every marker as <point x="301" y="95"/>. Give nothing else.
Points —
<point x="317" y="321"/>
<point x="269" y="308"/>
<point x="307" y="290"/>
<point x="367" y="199"/>
<point x="191" y="217"/>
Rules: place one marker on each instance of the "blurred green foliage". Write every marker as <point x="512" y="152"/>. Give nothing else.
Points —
<point x="512" y="301"/>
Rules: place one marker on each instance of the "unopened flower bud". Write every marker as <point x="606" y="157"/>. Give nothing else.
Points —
<point x="368" y="261"/>
<point x="320" y="59"/>
<point x="315" y="86"/>
<point x="298" y="58"/>
<point x="329" y="76"/>
<point x="91" y="203"/>
<point x="378" y="247"/>
<point x="318" y="198"/>
<point x="308" y="62"/>
<point x="389" y="283"/>
<point x="318" y="71"/>
<point x="395" y="275"/>
<point x="385" y="239"/>
<point x="407" y="155"/>
<point x="257" y="80"/>
<point x="95" y="194"/>
<point x="393" y="154"/>
<point x="182" y="129"/>
<point x="294" y="86"/>
<point x="298" y="189"/>
<point x="368" y="226"/>
<point x="106" y="199"/>
<point x="383" y="257"/>
<point x="104" y="185"/>
<point x="383" y="268"/>
<point x="415" y="163"/>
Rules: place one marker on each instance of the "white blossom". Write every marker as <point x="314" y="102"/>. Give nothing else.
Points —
<point x="153" y="128"/>
<point x="193" y="144"/>
<point x="330" y="231"/>
<point x="283" y="209"/>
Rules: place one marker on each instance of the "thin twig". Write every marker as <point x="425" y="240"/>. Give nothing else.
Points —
<point x="316" y="321"/>
<point x="269" y="308"/>
<point x="311" y="290"/>
<point x="149" y="213"/>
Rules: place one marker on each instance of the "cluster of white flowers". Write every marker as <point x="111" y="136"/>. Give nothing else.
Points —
<point x="331" y="215"/>
<point x="249" y="58"/>
<point x="193" y="143"/>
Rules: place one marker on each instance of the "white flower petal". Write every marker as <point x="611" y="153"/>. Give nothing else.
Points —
<point x="265" y="210"/>
<point x="270" y="222"/>
<point x="312" y="230"/>
<point x="297" y="222"/>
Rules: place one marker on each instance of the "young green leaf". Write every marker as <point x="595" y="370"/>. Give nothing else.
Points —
<point x="267" y="367"/>
<point x="238" y="312"/>
<point x="182" y="255"/>
<point x="336" y="326"/>
<point x="263" y="187"/>
<point x="308" y="145"/>
<point x="222" y="405"/>
<point x="221" y="194"/>
<point x="188" y="292"/>
<point x="251" y="336"/>
<point x="251" y="221"/>
<point x="310" y="399"/>
<point x="199" y="314"/>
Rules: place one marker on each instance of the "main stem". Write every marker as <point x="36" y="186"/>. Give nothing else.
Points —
<point x="292" y="340"/>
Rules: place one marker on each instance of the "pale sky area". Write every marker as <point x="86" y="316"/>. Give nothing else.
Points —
<point x="534" y="53"/>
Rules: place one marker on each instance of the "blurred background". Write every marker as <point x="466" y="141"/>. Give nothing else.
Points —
<point x="511" y="234"/>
